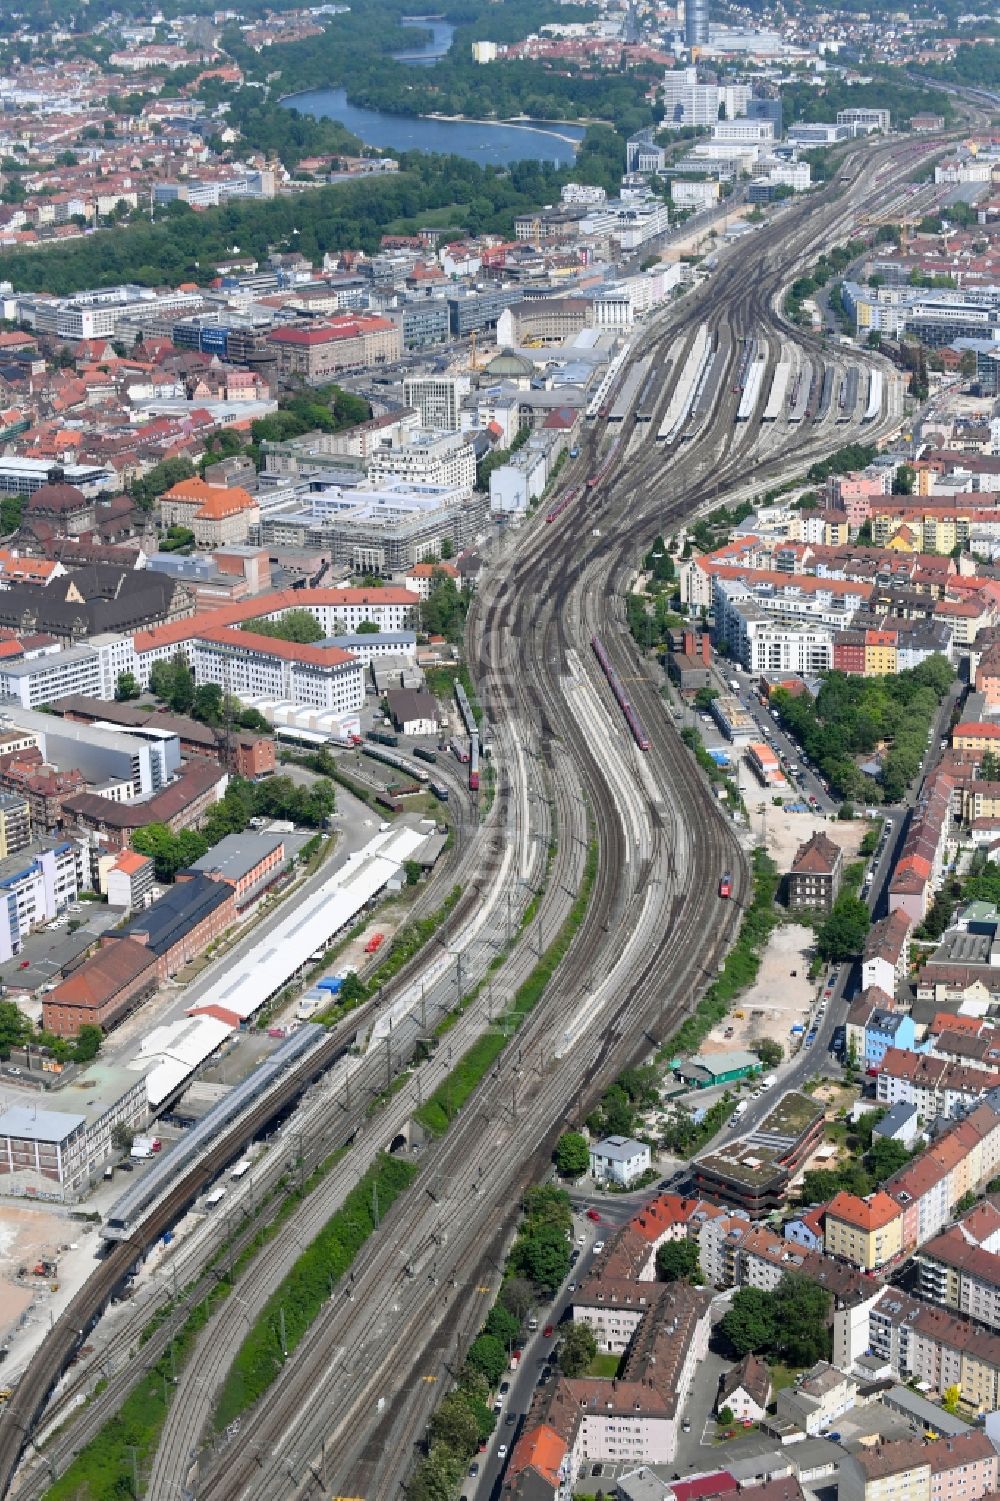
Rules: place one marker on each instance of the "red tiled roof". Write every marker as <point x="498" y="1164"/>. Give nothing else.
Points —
<point x="176" y="631"/>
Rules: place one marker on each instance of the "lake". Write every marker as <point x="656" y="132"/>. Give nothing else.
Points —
<point x="484" y="143"/>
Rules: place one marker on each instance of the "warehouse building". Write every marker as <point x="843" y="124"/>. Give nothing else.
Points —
<point x="249" y="863"/>
<point x="103" y="990"/>
<point x="138" y="762"/>
<point x="56" y="1153"/>
<point x="185" y="920"/>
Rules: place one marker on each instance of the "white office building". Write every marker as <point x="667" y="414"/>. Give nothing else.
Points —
<point x="256" y="667"/>
<point x="688" y="102"/>
<point x="865" y="121"/>
<point x="51" y="676"/>
<point x="438" y="400"/>
<point x="426" y="457"/>
<point x="36" y="885"/>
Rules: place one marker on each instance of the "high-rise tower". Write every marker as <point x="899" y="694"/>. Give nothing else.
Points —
<point x="696" y="23"/>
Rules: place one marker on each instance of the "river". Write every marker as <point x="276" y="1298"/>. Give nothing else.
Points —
<point x="480" y="142"/>
<point x="433" y="48"/>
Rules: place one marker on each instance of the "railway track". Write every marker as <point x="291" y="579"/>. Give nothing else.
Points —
<point x="534" y="617"/>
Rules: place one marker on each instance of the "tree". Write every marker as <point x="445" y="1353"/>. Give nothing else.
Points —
<point x="15" y="1028"/>
<point x="727" y="1417"/>
<point x="447" y="548"/>
<point x="748" y="1323"/>
<point x="352" y="991"/>
<point x="173" y="681"/>
<point x="126" y="687"/>
<point x="518" y="1296"/>
<point x="208" y="704"/>
<point x="367" y="628"/>
<point x="413" y="871"/>
<point x="444" y="610"/>
<point x="886" y="1157"/>
<point x="542" y="1255"/>
<point x="454" y="1424"/>
<point x="989" y="767"/>
<point x="121" y="1137"/>
<point x="577" y="1349"/>
<point x="488" y="1355"/>
<point x="951" y="1399"/>
<point x="503" y="1324"/>
<point x="769" y="1051"/>
<point x="88" y="1043"/>
<point x="904" y="480"/>
<point x="147" y="490"/>
<point x="801" y="1309"/>
<point x="677" y="1261"/>
<point x="572" y="1155"/>
<point x="295" y="625"/>
<point x="842" y="935"/>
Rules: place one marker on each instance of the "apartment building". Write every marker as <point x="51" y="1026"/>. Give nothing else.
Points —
<point x="637" y="1417"/>
<point x="885" y="961"/>
<point x="425" y="457"/>
<point x="15" y="824"/>
<point x="961" y="1161"/>
<point x="960" y="1268"/>
<point x="926" y="849"/>
<point x="438" y="400"/>
<point x="735" y="1252"/>
<point x="935" y="1085"/>
<point x="613" y="1307"/>
<point x="816" y="873"/>
<point x="865" y="1232"/>
<point x="958" y="1468"/>
<point x="36" y="884"/>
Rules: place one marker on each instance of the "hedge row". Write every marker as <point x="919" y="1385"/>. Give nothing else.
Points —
<point x="436" y="1112"/>
<point x="124" y="1448"/>
<point x="308" y="1285"/>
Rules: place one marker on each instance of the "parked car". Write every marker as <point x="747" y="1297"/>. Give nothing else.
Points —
<point x="592" y="1214"/>
<point x="548" y="1331"/>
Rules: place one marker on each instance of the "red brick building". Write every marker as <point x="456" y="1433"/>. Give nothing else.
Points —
<point x="103" y="990"/>
<point x="182" y="805"/>
<point x="182" y="924"/>
<point x="253" y="756"/>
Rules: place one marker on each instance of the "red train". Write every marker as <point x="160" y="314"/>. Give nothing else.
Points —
<point x="561" y="505"/>
<point x="601" y="474"/>
<point x="632" y="719"/>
